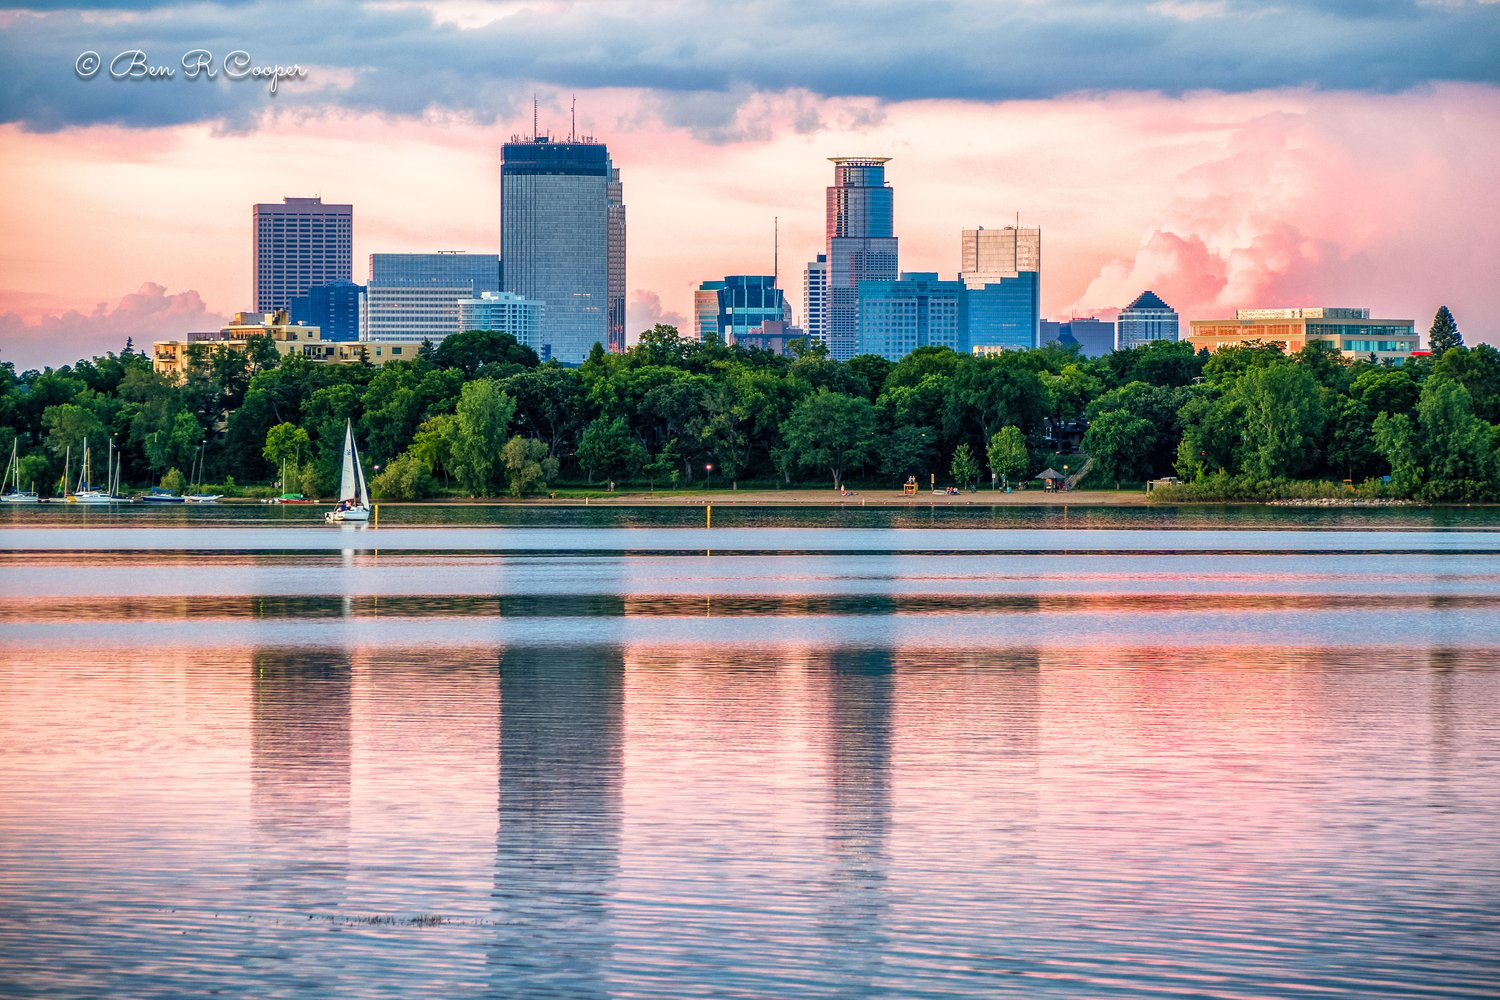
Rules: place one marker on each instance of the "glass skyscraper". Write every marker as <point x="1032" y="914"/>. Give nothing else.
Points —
<point x="1146" y="319"/>
<point x="414" y="296"/>
<point x="897" y="317"/>
<point x="728" y="310"/>
<point x="332" y="308"/>
<point x="1002" y="269"/>
<point x="861" y="245"/>
<point x="562" y="238"/>
<point x="300" y="244"/>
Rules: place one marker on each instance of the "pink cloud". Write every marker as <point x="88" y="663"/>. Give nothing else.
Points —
<point x="644" y="310"/>
<point x="144" y="315"/>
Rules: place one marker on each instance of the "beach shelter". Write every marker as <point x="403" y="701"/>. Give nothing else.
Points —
<point x="1052" y="479"/>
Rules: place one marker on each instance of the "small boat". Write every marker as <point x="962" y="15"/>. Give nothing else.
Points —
<point x="289" y="498"/>
<point x="13" y="479"/>
<point x="354" y="499"/>
<point x="159" y="495"/>
<point x="202" y="497"/>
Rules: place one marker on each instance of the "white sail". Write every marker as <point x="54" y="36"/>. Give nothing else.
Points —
<point x="359" y="474"/>
<point x="348" y="485"/>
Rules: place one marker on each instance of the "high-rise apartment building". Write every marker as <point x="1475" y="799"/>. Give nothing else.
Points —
<point x="729" y="310"/>
<point x="503" y="312"/>
<point x="815" y="300"/>
<point x="861" y="244"/>
<point x="562" y="237"/>
<point x="1146" y="319"/>
<point x="413" y="297"/>
<point x="299" y="244"/>
<point x="1001" y="268"/>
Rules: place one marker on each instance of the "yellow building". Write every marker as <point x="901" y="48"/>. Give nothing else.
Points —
<point x="1351" y="331"/>
<point x="170" y="357"/>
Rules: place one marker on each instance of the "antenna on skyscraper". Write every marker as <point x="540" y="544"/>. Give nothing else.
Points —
<point x="535" y="128"/>
<point x="775" y="250"/>
<point x="573" y="124"/>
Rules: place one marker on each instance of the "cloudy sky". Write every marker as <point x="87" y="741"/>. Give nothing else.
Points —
<point x="1225" y="153"/>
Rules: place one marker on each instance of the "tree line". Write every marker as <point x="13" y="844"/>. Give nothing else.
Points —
<point x="479" y="415"/>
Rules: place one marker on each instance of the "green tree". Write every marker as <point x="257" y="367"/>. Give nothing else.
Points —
<point x="1007" y="454"/>
<point x="481" y="421"/>
<point x="1283" y="418"/>
<point x="1120" y="446"/>
<point x="174" y="480"/>
<point x="964" y="469"/>
<point x="406" y="478"/>
<point x="472" y="350"/>
<point x="68" y="425"/>
<point x="1456" y="444"/>
<point x="1396" y="440"/>
<point x="1443" y="334"/>
<point x="285" y="443"/>
<point x="830" y="430"/>
<point x="610" y="449"/>
<point x="906" y="451"/>
<point x="527" y="465"/>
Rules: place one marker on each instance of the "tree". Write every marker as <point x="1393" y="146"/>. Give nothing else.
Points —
<point x="830" y="430"/>
<point x="1283" y="419"/>
<point x="1120" y="446"/>
<point x="68" y="426"/>
<point x="406" y="478"/>
<point x="472" y="350"/>
<point x="1457" y="444"/>
<point x="609" y="449"/>
<point x="285" y="442"/>
<point x="1444" y="333"/>
<point x="1396" y="440"/>
<point x="527" y="465"/>
<point x="482" y="419"/>
<point x="174" y="480"/>
<point x="905" y="451"/>
<point x="1007" y="454"/>
<point x="963" y="468"/>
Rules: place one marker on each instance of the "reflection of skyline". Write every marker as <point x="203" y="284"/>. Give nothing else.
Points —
<point x="557" y="844"/>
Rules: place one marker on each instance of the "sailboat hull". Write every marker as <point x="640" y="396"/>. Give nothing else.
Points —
<point x="352" y="514"/>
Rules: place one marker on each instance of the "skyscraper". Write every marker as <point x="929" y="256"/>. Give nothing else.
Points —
<point x="861" y="244"/>
<point x="299" y="244"/>
<point x="815" y="299"/>
<point x="897" y="317"/>
<point x="562" y="238"/>
<point x="1146" y="319"/>
<point x="332" y="308"/>
<point x="1002" y="270"/>
<point x="730" y="309"/>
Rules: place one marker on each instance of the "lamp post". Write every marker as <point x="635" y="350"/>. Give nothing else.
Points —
<point x="709" y="469"/>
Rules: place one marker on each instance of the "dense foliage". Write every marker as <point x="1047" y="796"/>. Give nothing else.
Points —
<point x="479" y="415"/>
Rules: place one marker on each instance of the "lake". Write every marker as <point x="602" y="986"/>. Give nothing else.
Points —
<point x="1236" y="752"/>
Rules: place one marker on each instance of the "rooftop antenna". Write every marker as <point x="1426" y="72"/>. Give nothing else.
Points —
<point x="775" y="251"/>
<point x="535" y="128"/>
<point x="573" y="125"/>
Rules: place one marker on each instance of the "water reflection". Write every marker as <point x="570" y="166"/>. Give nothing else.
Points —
<point x="557" y="847"/>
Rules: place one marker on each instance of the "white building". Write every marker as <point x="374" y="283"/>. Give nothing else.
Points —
<point x="504" y="312"/>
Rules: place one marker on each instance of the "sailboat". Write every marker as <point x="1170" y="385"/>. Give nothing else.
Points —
<point x="13" y="480"/>
<point x="86" y="491"/>
<point x="202" y="497"/>
<point x="354" y="499"/>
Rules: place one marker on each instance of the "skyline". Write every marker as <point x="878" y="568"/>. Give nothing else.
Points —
<point x="1350" y="170"/>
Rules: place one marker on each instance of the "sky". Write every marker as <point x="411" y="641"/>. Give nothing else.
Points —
<point x="1224" y="153"/>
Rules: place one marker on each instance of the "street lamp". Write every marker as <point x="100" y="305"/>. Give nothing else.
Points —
<point x="710" y="481"/>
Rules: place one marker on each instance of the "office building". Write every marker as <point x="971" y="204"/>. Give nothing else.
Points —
<point x="504" y="312"/>
<point x="774" y="336"/>
<point x="1146" y="319"/>
<point x="332" y="308"/>
<point x="729" y="309"/>
<point x="918" y="310"/>
<point x="1001" y="269"/>
<point x="1094" y="338"/>
<point x="1351" y="331"/>
<point x="299" y="244"/>
<point x="861" y="245"/>
<point x="562" y="237"/>
<point x="815" y="299"/>
<point x="414" y="297"/>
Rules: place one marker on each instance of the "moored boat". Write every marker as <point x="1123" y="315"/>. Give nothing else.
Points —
<point x="354" y="499"/>
<point x="13" y="480"/>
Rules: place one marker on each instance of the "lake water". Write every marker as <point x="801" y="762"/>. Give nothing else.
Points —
<point x="845" y="752"/>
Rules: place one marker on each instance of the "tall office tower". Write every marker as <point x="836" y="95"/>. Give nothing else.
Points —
<point x="562" y="236"/>
<point x="1146" y="319"/>
<point x="729" y="310"/>
<point x="815" y="300"/>
<point x="414" y="296"/>
<point x="861" y="246"/>
<point x="1002" y="270"/>
<point x="897" y="317"/>
<point x="300" y="244"/>
<point x="332" y="308"/>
